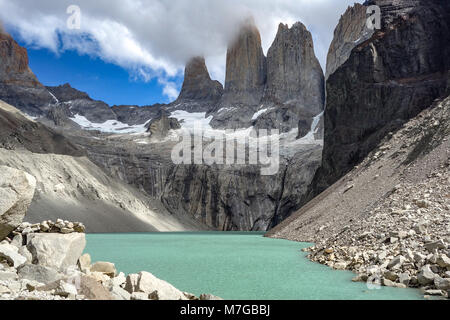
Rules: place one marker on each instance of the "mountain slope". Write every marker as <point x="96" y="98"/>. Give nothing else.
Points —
<point x="72" y="187"/>
<point x="394" y="205"/>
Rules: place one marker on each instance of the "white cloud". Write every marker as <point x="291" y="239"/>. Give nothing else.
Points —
<point x="154" y="38"/>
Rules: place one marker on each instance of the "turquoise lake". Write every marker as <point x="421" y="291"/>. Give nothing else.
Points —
<point x="234" y="266"/>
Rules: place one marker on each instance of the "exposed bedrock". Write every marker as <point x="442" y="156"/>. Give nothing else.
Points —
<point x="198" y="84"/>
<point x="274" y="92"/>
<point x="386" y="80"/>
<point x="222" y="197"/>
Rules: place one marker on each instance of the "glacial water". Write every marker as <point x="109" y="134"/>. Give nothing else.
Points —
<point x="235" y="266"/>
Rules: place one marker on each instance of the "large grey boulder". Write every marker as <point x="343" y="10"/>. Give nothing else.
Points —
<point x="16" y="193"/>
<point x="106" y="268"/>
<point x="58" y="251"/>
<point x="40" y="274"/>
<point x="157" y="289"/>
<point x="426" y="276"/>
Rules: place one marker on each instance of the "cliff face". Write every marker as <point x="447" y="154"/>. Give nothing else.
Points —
<point x="351" y="31"/>
<point x="294" y="74"/>
<point x="18" y="85"/>
<point x="246" y="67"/>
<point x="283" y="91"/>
<point x="228" y="198"/>
<point x="197" y="83"/>
<point x="386" y="80"/>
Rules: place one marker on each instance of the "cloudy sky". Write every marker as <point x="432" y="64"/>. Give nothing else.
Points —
<point x="152" y="39"/>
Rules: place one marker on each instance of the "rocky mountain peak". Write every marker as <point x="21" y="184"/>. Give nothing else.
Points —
<point x="66" y="93"/>
<point x="385" y="80"/>
<point x="14" y="63"/>
<point x="246" y="66"/>
<point x="197" y="82"/>
<point x="351" y="31"/>
<point x="294" y="73"/>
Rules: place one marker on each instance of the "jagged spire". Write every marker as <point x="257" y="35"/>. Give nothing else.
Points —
<point x="197" y="83"/>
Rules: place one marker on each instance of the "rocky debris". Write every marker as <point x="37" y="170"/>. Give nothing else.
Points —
<point x="59" y="271"/>
<point x="197" y="83"/>
<point x="415" y="259"/>
<point x="394" y="223"/>
<point x="16" y="193"/>
<point x="48" y="226"/>
<point x="107" y="268"/>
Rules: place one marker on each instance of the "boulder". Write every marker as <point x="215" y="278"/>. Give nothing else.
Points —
<point x="209" y="297"/>
<point x="8" y="276"/>
<point x="10" y="254"/>
<point x="40" y="274"/>
<point x="99" y="277"/>
<point x="23" y="251"/>
<point x="16" y="193"/>
<point x="84" y="263"/>
<point x="426" y="276"/>
<point x="119" y="280"/>
<point x="404" y="278"/>
<point x="17" y="241"/>
<point x="433" y="246"/>
<point x="119" y="293"/>
<point x="443" y="261"/>
<point x="139" y="296"/>
<point x="58" y="251"/>
<point x="106" y="268"/>
<point x="442" y="283"/>
<point x="156" y="289"/>
<point x="132" y="283"/>
<point x="396" y="262"/>
<point x="4" y="289"/>
<point x="92" y="290"/>
<point x="60" y="287"/>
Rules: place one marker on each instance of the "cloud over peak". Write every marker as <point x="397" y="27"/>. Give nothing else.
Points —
<point x="155" y="38"/>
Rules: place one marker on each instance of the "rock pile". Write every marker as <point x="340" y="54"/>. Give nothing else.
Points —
<point x="52" y="267"/>
<point x="60" y="226"/>
<point x="404" y="242"/>
<point x="45" y="261"/>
